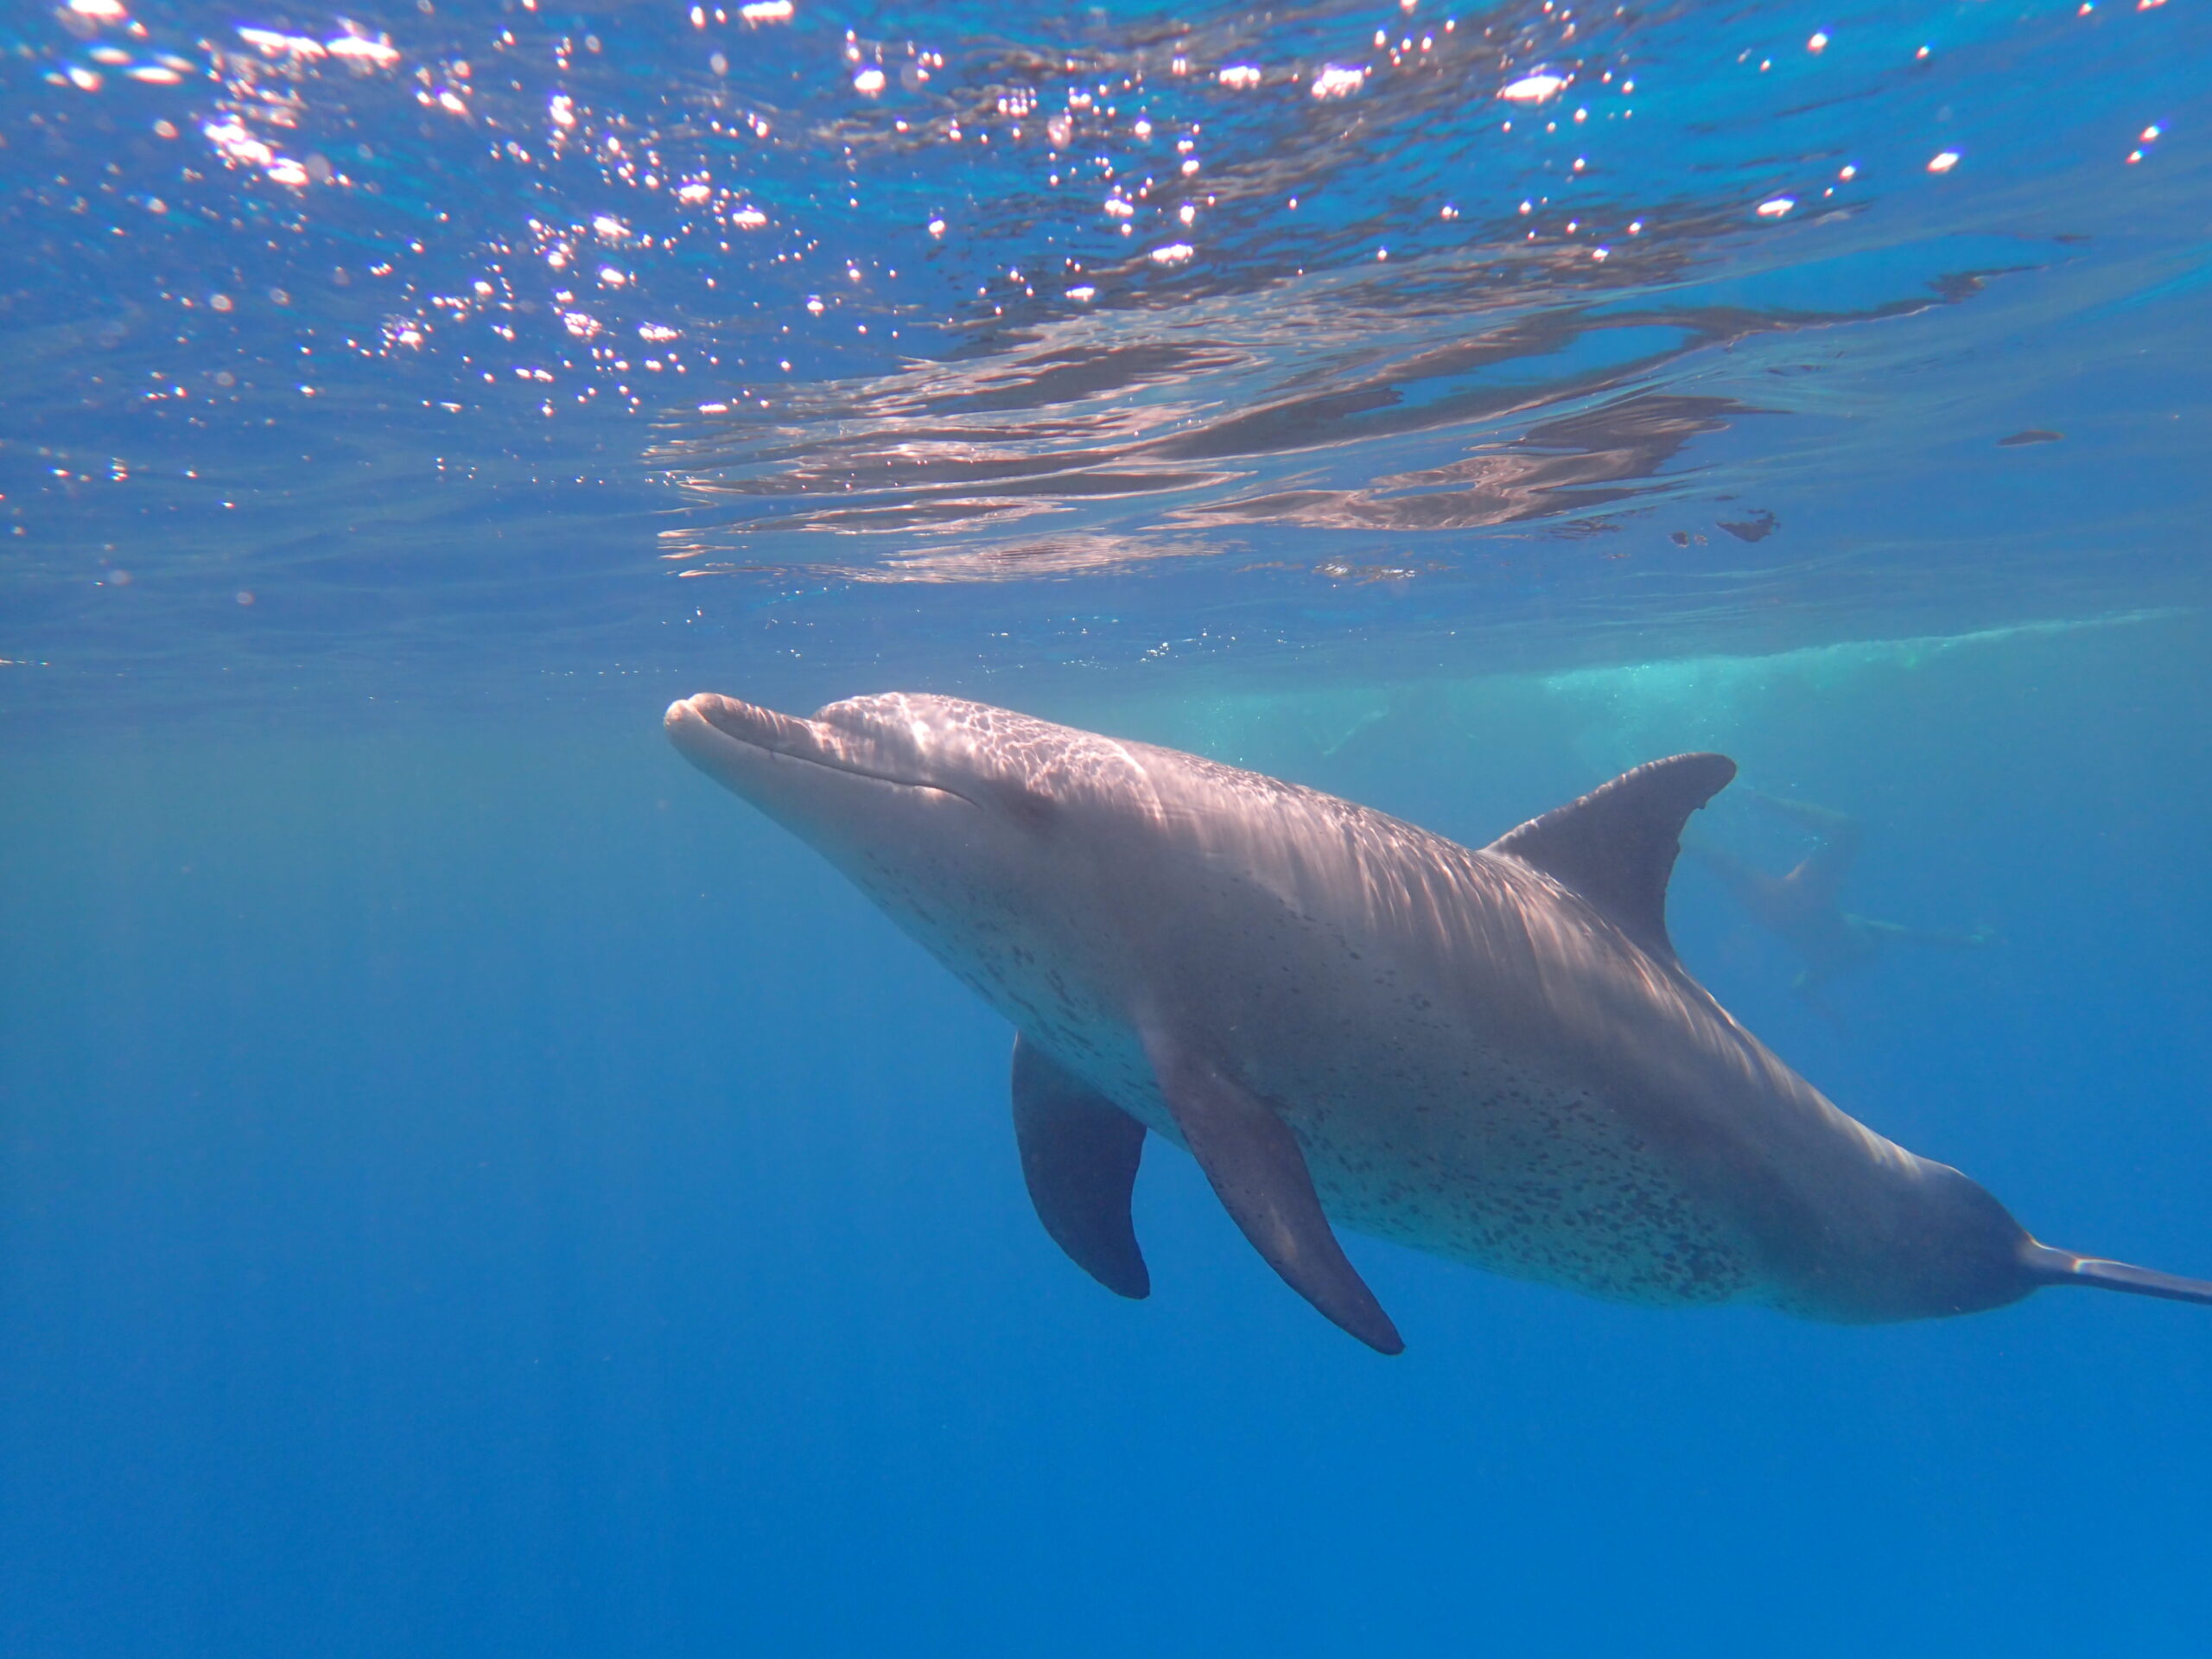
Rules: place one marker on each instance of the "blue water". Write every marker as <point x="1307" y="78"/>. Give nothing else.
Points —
<point x="469" y="1186"/>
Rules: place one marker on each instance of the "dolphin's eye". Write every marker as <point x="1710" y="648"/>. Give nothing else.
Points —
<point x="1030" y="808"/>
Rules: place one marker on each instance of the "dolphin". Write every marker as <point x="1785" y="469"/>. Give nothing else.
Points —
<point x="1494" y="1056"/>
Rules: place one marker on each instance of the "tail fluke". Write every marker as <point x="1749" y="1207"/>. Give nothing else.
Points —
<point x="2048" y="1267"/>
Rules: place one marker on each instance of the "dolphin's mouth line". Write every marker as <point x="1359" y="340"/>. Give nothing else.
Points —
<point x="850" y="771"/>
<point x="854" y="771"/>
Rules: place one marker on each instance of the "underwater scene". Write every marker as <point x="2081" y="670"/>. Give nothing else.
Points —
<point x="598" y="605"/>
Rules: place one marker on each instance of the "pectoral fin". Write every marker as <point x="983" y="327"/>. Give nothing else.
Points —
<point x="1259" y="1174"/>
<point x="1079" y="1154"/>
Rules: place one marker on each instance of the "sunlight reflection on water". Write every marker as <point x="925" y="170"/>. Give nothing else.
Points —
<point x="478" y="341"/>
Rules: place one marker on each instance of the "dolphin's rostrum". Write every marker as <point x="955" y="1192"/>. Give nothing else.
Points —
<point x="1490" y="1055"/>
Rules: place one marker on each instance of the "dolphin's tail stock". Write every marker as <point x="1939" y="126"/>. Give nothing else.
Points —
<point x="2048" y="1267"/>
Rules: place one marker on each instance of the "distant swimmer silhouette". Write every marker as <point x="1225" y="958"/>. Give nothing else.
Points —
<point x="1804" y="908"/>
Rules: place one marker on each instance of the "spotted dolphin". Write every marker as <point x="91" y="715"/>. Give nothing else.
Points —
<point x="1494" y="1056"/>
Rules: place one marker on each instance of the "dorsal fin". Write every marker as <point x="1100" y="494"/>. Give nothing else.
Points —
<point x="1617" y="845"/>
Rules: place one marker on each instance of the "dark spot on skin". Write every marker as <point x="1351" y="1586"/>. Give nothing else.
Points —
<point x="1026" y="806"/>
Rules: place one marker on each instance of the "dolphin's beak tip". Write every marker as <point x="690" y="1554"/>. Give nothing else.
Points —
<point x="707" y="718"/>
<point x="685" y="724"/>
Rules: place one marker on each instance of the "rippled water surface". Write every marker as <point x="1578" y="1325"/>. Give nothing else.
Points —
<point x="354" y="353"/>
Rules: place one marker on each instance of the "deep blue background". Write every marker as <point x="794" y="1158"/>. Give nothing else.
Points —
<point x="482" y="1191"/>
<point x="468" y="1187"/>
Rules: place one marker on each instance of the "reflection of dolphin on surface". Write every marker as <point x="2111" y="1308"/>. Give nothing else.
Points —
<point x="1493" y="1056"/>
<point x="1804" y="908"/>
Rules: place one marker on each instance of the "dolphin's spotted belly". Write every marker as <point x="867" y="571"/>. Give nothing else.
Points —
<point x="1504" y="1170"/>
<point x="1536" y="1182"/>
